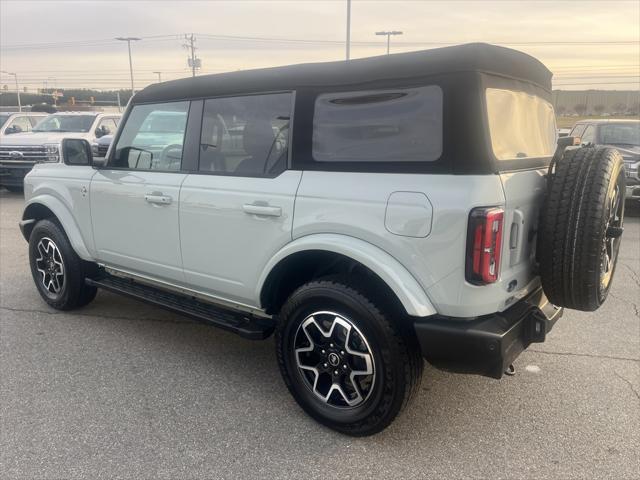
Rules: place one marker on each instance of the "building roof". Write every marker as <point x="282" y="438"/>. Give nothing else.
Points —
<point x="473" y="57"/>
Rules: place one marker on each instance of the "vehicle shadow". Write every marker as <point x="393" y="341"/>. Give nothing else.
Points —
<point x="224" y="366"/>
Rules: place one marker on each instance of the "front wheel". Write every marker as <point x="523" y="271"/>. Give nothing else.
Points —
<point x="56" y="269"/>
<point x="346" y="364"/>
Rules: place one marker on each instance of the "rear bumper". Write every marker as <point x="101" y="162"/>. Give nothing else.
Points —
<point x="633" y="191"/>
<point x="490" y="344"/>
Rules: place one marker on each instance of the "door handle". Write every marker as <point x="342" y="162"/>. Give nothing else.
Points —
<point x="158" y="198"/>
<point x="263" y="210"/>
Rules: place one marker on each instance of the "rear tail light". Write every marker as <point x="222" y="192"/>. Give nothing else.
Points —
<point x="484" y="243"/>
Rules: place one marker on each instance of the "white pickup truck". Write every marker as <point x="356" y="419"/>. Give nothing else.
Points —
<point x="20" y="151"/>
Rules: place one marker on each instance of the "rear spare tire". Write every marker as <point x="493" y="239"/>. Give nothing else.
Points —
<point x="581" y="227"/>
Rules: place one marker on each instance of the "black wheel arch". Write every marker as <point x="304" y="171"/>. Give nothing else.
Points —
<point x="308" y="265"/>
<point x="35" y="212"/>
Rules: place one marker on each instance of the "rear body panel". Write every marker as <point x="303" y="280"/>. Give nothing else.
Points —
<point x="431" y="243"/>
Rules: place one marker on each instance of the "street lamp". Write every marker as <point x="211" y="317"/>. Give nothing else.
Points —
<point x="348" y="29"/>
<point x="129" y="40"/>
<point x="159" y="76"/>
<point x="15" y="75"/>
<point x="388" y="34"/>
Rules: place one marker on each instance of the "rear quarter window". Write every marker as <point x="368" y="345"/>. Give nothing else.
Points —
<point x="521" y="125"/>
<point x="402" y="125"/>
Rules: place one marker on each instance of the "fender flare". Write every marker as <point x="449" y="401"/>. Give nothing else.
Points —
<point x="65" y="218"/>
<point x="393" y="273"/>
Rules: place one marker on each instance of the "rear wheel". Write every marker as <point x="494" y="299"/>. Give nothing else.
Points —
<point x="56" y="269"/>
<point x="345" y="363"/>
<point x="581" y="227"/>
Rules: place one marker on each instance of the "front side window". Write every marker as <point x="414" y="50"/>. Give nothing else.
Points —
<point x="35" y="119"/>
<point x="578" y="130"/>
<point x="65" y="123"/>
<point x="152" y="137"/>
<point x="622" y="134"/>
<point x="246" y="136"/>
<point x="19" y="125"/>
<point x="403" y="125"/>
<point x="521" y="125"/>
<point x="589" y="135"/>
<point x="107" y="126"/>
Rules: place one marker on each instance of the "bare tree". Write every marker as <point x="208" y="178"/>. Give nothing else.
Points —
<point x="561" y="110"/>
<point x="599" y="109"/>
<point x="580" y="109"/>
<point x="620" y="108"/>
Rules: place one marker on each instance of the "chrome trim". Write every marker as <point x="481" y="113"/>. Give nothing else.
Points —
<point x="22" y="153"/>
<point x="206" y="297"/>
<point x="18" y="162"/>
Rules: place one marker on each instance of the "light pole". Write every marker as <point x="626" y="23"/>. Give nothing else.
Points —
<point x="348" y="29"/>
<point x="129" y="40"/>
<point x="388" y="34"/>
<point x="159" y="76"/>
<point x="15" y="75"/>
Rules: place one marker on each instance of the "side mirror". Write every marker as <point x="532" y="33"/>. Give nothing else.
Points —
<point x="564" y="142"/>
<point x="99" y="162"/>
<point x="13" y="129"/>
<point x="76" y="151"/>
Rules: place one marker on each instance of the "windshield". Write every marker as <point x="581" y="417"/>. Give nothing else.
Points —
<point x="164" y="122"/>
<point x="65" y="123"/>
<point x="3" y="119"/>
<point x="620" y="134"/>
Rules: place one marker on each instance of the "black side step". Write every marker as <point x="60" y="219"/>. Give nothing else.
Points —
<point x="244" y="324"/>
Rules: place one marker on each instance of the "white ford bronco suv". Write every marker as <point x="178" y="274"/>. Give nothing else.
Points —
<point x="371" y="213"/>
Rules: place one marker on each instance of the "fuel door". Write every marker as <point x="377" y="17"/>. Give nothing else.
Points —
<point x="408" y="214"/>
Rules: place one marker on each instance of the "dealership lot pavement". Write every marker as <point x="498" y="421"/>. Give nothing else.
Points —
<point x="122" y="389"/>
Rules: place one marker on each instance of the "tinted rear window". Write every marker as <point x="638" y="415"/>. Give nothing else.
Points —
<point x="521" y="125"/>
<point x="403" y="125"/>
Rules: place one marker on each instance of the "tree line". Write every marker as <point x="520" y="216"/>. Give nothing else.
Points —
<point x="70" y="96"/>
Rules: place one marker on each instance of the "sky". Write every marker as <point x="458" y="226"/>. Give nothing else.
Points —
<point x="50" y="43"/>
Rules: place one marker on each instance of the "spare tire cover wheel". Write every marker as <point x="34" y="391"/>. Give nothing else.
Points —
<point x="581" y="227"/>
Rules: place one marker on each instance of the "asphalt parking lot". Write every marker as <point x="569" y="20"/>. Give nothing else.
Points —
<point x="122" y="389"/>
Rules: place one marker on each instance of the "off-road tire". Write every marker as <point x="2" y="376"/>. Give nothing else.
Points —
<point x="73" y="293"/>
<point x="395" y="353"/>
<point x="576" y="220"/>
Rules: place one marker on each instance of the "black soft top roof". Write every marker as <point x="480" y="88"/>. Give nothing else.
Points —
<point x="473" y="57"/>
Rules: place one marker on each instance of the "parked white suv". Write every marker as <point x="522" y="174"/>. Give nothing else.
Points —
<point x="372" y="213"/>
<point x="20" y="151"/>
